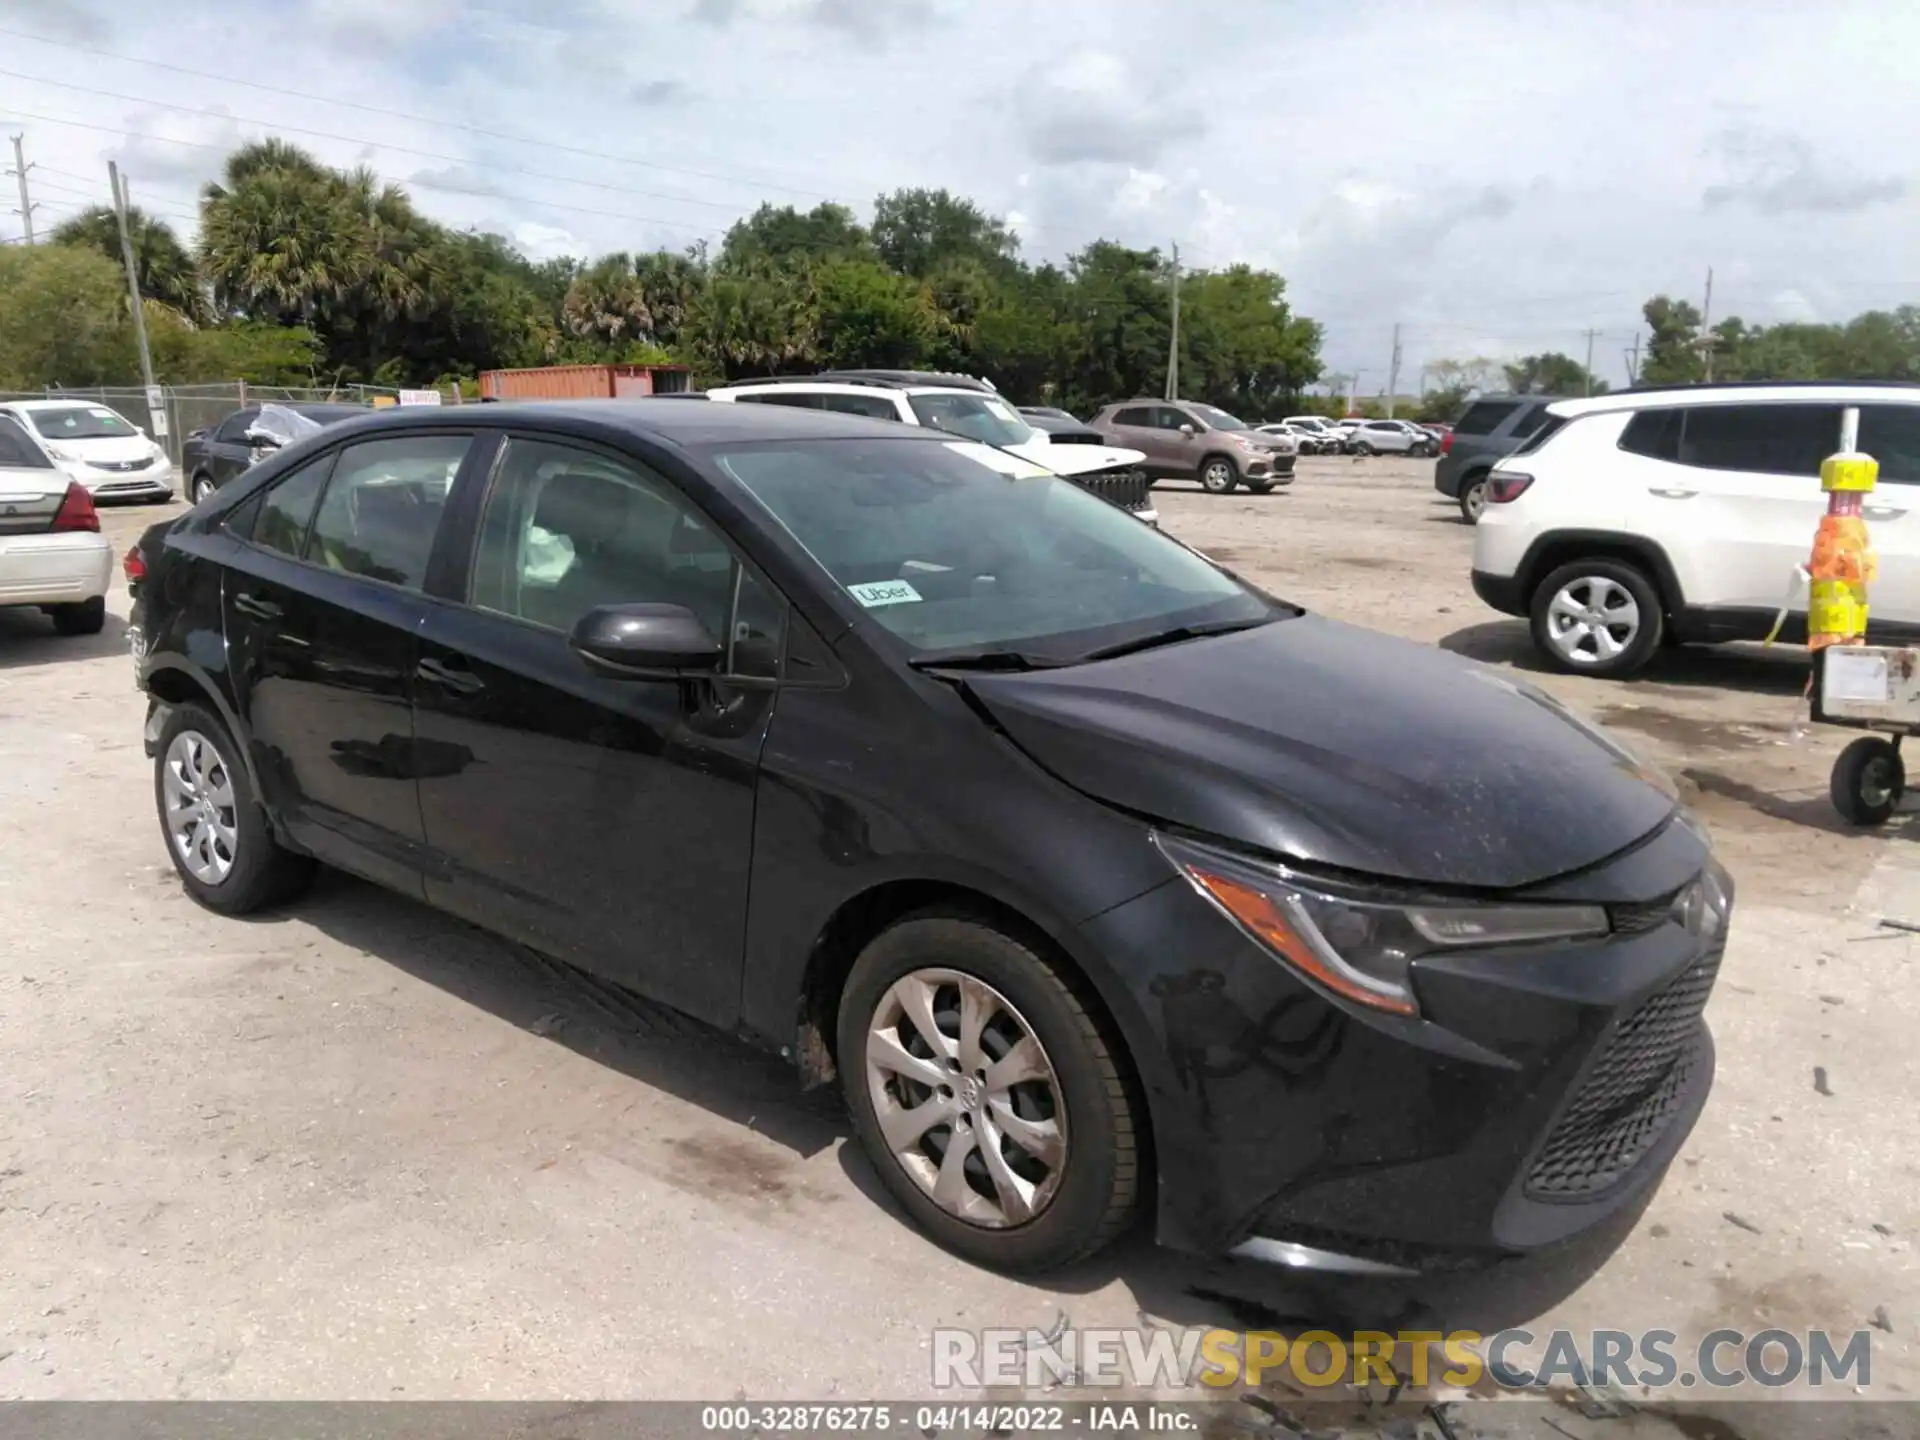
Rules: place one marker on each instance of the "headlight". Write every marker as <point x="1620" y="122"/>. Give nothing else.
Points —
<point x="60" y="452"/>
<point x="1356" y="943"/>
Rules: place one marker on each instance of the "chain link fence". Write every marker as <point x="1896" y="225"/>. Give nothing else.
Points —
<point x="198" y="407"/>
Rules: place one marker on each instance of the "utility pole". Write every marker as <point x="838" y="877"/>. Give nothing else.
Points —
<point x="1706" y="326"/>
<point x="1353" y="379"/>
<point x="20" y="168"/>
<point x="1586" y="382"/>
<point x="133" y="279"/>
<point x="1393" y="371"/>
<point x="1173" y="345"/>
<point x="1632" y="356"/>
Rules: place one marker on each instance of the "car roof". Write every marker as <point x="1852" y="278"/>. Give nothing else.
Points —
<point x="808" y="385"/>
<point x="682" y="425"/>
<point x="1768" y="392"/>
<point x="57" y="402"/>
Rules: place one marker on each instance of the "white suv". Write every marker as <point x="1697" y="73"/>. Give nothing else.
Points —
<point x="1680" y="516"/>
<point x="968" y="408"/>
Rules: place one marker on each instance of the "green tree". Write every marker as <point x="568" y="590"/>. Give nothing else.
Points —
<point x="754" y="322"/>
<point x="1673" y="353"/>
<point x="1120" y="322"/>
<point x="606" y="305"/>
<point x="1550" y="374"/>
<point x="783" y="236"/>
<point x="163" y="267"/>
<point x="872" y="316"/>
<point x="1242" y="348"/>
<point x="63" y="319"/>
<point x="919" y="231"/>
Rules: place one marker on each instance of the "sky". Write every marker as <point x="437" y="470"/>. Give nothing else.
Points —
<point x="1495" y="179"/>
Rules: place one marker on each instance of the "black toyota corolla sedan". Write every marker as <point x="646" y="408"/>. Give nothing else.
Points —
<point x="1092" y="872"/>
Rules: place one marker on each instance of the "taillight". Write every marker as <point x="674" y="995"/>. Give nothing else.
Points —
<point x="1505" y="486"/>
<point x="76" y="511"/>
<point x="133" y="567"/>
<point x="1446" y="443"/>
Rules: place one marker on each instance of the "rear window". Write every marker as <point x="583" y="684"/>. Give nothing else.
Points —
<point x="1762" y="439"/>
<point x="17" y="449"/>
<point x="1530" y="424"/>
<point x="1483" y="417"/>
<point x="1541" y="434"/>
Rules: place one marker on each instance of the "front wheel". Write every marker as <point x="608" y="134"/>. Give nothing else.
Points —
<point x="987" y="1097"/>
<point x="200" y="487"/>
<point x="1217" y="475"/>
<point x="1868" y="780"/>
<point x="215" y="830"/>
<point x="1363" y="448"/>
<point x="1597" y="617"/>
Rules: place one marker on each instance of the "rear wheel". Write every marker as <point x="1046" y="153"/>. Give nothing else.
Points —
<point x="1217" y="475"/>
<point x="1597" y="617"/>
<point x="89" y="617"/>
<point x="1362" y="447"/>
<point x="1867" y="781"/>
<point x="1473" y="498"/>
<point x="987" y="1097"/>
<point x="216" y="832"/>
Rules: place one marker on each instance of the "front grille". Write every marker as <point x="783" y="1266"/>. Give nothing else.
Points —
<point x="1631" y="1093"/>
<point x="1639" y="919"/>
<point x="1124" y="486"/>
<point x="122" y="467"/>
<point x="1283" y="464"/>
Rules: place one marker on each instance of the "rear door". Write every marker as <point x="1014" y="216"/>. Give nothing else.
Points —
<point x="322" y="608"/>
<point x="605" y="821"/>
<point x="1891" y="434"/>
<point x="1132" y="426"/>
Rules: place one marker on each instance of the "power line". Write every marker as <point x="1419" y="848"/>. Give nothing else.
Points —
<point x="415" y="183"/>
<point x="211" y="114"/>
<point x="422" y="119"/>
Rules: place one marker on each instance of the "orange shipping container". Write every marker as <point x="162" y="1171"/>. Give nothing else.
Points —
<point x="582" y="382"/>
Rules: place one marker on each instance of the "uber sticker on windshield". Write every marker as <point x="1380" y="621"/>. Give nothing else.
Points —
<point x="884" y="592"/>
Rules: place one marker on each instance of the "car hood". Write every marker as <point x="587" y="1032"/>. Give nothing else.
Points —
<point x="1076" y="459"/>
<point x="1341" y="747"/>
<point x="109" y="448"/>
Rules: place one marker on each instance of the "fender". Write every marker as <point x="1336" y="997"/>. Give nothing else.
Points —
<point x="1540" y="558"/>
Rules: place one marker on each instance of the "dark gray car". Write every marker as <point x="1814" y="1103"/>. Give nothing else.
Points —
<point x="1492" y="426"/>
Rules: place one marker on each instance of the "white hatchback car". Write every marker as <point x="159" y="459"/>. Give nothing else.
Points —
<point x="1681" y="516"/>
<point x="110" y="455"/>
<point x="52" y="554"/>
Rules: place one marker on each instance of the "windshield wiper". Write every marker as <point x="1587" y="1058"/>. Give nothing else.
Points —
<point x="974" y="658"/>
<point x="1169" y="637"/>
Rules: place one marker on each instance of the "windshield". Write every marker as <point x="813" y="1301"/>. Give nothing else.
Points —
<point x="955" y="545"/>
<point x="978" y="417"/>
<point x="80" y="422"/>
<point x="1218" y="419"/>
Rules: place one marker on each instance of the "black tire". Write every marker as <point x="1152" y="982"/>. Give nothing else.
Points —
<point x="264" y="872"/>
<point x="1635" y="649"/>
<point x="1473" y="497"/>
<point x="1100" y="1184"/>
<point x="89" y="617"/>
<point x="1361" y="447"/>
<point x="1218" y="474"/>
<point x="1867" y="781"/>
<point x="200" y="487"/>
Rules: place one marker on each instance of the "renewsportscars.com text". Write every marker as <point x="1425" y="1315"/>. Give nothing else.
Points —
<point x="1512" y="1359"/>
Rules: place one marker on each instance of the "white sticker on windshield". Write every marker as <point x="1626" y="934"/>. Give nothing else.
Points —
<point x="884" y="592"/>
<point x="999" y="460"/>
<point x="97" y="413"/>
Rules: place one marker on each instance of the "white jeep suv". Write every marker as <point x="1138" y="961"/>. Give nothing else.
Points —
<point x="968" y="408"/>
<point x="1680" y="515"/>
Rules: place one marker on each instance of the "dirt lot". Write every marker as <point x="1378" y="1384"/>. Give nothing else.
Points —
<point x="357" y="1150"/>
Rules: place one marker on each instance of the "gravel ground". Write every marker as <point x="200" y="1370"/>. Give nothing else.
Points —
<point x="358" y="1150"/>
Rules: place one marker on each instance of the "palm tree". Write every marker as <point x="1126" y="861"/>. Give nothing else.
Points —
<point x="606" y="303"/>
<point x="279" y="243"/>
<point x="162" y="267"/>
<point x="669" y="286"/>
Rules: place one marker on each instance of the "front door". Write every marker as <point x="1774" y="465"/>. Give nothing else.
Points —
<point x="322" y="604"/>
<point x="606" y="821"/>
<point x="1891" y="435"/>
<point x="228" y="453"/>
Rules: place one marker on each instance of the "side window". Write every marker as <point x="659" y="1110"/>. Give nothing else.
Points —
<point x="1483" y="417"/>
<point x="18" y="450"/>
<point x="382" y="508"/>
<point x="1165" y="417"/>
<point x="288" y="509"/>
<point x="780" y="397"/>
<point x="1891" y="434"/>
<point x="1769" y="439"/>
<point x="875" y="407"/>
<point x="1138" y="415"/>
<point x="566" y="530"/>
<point x="243" y="517"/>
<point x="1654" y="434"/>
<point x="234" y="427"/>
<point x="1530" y="423"/>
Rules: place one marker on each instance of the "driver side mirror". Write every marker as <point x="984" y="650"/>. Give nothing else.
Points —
<point x="262" y="440"/>
<point x="645" y="642"/>
<point x="1187" y="431"/>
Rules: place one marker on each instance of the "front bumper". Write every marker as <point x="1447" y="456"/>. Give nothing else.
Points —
<point x="1532" y="1102"/>
<point x="154" y="482"/>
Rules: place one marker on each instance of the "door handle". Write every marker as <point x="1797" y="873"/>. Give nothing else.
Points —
<point x="1881" y="512"/>
<point x="456" y="679"/>
<point x="1670" y="493"/>
<point x="256" y="607"/>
